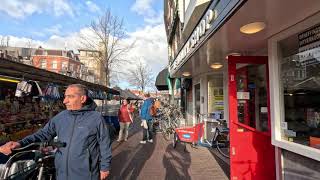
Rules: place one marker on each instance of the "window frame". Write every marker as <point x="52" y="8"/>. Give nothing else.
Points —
<point x="43" y="62"/>
<point x="54" y="62"/>
<point x="276" y="91"/>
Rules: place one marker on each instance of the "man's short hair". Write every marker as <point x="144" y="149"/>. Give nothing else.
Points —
<point x="82" y="89"/>
<point x="147" y="95"/>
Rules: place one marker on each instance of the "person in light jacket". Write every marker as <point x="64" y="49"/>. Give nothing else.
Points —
<point x="87" y="154"/>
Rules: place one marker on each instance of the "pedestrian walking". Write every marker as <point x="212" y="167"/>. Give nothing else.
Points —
<point x="87" y="154"/>
<point x="125" y="119"/>
<point x="147" y="120"/>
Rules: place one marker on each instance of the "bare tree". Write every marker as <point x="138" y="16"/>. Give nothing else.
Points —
<point x="141" y="76"/>
<point x="105" y="35"/>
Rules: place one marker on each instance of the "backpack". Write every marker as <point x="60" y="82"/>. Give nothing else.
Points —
<point x="153" y="110"/>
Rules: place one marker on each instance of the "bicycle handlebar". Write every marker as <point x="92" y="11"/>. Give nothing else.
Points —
<point x="36" y="145"/>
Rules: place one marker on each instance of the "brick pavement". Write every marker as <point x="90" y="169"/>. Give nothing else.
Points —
<point x="159" y="160"/>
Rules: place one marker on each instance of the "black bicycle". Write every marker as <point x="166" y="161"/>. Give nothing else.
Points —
<point x="32" y="162"/>
<point x="220" y="139"/>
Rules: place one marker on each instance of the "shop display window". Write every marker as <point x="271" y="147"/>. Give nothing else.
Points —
<point x="300" y="87"/>
<point x="215" y="96"/>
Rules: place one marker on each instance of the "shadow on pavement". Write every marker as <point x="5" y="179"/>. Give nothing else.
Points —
<point x="129" y="163"/>
<point x="223" y="162"/>
<point x="177" y="162"/>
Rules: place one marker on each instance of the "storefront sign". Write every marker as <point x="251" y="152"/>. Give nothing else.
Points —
<point x="213" y="18"/>
<point x="309" y="36"/>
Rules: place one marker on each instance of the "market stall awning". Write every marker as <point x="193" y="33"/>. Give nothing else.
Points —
<point x="162" y="80"/>
<point x="127" y="94"/>
<point x="23" y="71"/>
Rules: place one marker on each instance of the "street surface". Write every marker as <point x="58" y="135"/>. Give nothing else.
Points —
<point x="159" y="160"/>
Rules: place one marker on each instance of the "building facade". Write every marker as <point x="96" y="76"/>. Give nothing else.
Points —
<point x="92" y="60"/>
<point x="254" y="64"/>
<point x="59" y="61"/>
<point x="18" y="54"/>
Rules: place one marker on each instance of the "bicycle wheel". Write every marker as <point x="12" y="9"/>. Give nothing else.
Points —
<point x="223" y="145"/>
<point x="167" y="134"/>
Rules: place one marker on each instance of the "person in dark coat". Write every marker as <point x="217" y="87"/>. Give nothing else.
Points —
<point x="87" y="154"/>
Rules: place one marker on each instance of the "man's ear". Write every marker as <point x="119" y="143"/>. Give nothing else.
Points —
<point x="83" y="99"/>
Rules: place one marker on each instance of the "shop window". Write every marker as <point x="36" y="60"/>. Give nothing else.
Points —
<point x="300" y="87"/>
<point x="215" y="96"/>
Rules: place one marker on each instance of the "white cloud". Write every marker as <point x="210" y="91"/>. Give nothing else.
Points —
<point x="150" y="47"/>
<point x="156" y="19"/>
<point x="19" y="9"/>
<point x="92" y="7"/>
<point x="143" y="7"/>
<point x="56" y="29"/>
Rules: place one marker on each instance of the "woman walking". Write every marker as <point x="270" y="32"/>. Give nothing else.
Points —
<point x="125" y="119"/>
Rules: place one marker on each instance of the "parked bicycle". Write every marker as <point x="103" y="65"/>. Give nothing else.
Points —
<point x="169" y="118"/>
<point x="220" y="137"/>
<point x="193" y="135"/>
<point x="32" y="162"/>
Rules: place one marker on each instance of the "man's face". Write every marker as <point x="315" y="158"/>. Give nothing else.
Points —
<point x="73" y="99"/>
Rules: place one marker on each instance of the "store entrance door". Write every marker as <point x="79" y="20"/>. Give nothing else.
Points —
<point x="252" y="155"/>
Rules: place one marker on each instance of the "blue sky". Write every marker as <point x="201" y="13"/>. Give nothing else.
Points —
<point x="56" y="24"/>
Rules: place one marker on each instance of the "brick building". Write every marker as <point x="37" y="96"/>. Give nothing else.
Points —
<point x="59" y="61"/>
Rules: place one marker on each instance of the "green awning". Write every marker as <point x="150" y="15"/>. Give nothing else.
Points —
<point x="162" y="80"/>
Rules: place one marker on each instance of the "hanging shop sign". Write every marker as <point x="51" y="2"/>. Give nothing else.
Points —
<point x="213" y="18"/>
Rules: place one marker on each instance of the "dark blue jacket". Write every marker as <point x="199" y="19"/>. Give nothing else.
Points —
<point x="88" y="148"/>
<point x="145" y="109"/>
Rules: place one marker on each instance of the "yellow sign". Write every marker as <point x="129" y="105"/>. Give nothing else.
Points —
<point x="9" y="80"/>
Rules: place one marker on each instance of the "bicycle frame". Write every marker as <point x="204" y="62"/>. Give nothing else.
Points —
<point x="41" y="161"/>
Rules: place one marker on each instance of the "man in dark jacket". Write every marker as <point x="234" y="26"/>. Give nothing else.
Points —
<point x="87" y="154"/>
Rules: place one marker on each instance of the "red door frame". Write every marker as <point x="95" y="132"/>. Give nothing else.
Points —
<point x="251" y="152"/>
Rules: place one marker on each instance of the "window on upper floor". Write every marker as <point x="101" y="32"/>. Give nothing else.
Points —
<point x="64" y="66"/>
<point x="54" y="64"/>
<point x="43" y="63"/>
<point x="71" y="67"/>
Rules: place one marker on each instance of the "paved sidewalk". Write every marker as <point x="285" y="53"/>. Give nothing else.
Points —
<point x="159" y="160"/>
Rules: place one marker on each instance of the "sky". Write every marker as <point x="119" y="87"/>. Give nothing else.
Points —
<point x="56" y="24"/>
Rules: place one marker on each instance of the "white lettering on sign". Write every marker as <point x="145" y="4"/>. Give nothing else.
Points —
<point x="204" y="25"/>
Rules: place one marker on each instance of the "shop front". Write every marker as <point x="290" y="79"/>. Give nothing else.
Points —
<point x="260" y="72"/>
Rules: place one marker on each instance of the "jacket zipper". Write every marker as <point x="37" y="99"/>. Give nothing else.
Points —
<point x="74" y="122"/>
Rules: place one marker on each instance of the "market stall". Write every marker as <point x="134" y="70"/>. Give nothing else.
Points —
<point x="29" y="97"/>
